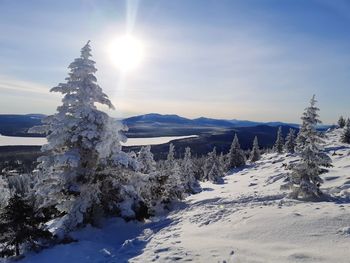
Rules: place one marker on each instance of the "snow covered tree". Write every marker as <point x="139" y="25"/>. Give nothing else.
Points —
<point x="304" y="179"/>
<point x="174" y="185"/>
<point x="199" y="164"/>
<point x="212" y="169"/>
<point x="19" y="224"/>
<point x="290" y="141"/>
<point x="278" y="147"/>
<point x="223" y="161"/>
<point x="146" y="160"/>
<point x="236" y="155"/>
<point x="81" y="138"/>
<point x="187" y="170"/>
<point x="345" y="137"/>
<point x="341" y="122"/>
<point x="170" y="161"/>
<point x="5" y="192"/>
<point x="255" y="152"/>
<point x="309" y="116"/>
<point x="215" y="174"/>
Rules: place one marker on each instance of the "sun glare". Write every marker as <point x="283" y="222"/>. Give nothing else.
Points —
<point x="126" y="52"/>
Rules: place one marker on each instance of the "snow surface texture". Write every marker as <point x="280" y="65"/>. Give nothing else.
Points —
<point x="246" y="219"/>
<point x="12" y="140"/>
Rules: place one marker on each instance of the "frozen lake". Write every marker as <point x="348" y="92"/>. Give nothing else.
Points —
<point x="32" y="141"/>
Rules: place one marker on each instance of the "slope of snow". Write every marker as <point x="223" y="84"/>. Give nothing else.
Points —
<point x="246" y="219"/>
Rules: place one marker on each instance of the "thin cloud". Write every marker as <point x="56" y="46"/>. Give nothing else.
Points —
<point x="15" y="85"/>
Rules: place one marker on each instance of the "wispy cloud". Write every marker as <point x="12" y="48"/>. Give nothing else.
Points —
<point x="19" y="86"/>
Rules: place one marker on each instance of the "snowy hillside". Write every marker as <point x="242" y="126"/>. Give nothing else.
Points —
<point x="246" y="219"/>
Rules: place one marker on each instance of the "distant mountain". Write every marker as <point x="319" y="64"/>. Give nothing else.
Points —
<point x="18" y="125"/>
<point x="212" y="122"/>
<point x="155" y="119"/>
<point x="159" y="119"/>
<point x="147" y="125"/>
<point x="244" y="123"/>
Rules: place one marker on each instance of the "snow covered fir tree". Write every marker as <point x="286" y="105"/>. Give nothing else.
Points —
<point x="305" y="180"/>
<point x="341" y="122"/>
<point x="21" y="226"/>
<point x="146" y="160"/>
<point x="236" y="156"/>
<point x="212" y="169"/>
<point x="187" y="170"/>
<point x="255" y="152"/>
<point x="278" y="147"/>
<point x="81" y="141"/>
<point x="290" y="143"/>
<point x="345" y="137"/>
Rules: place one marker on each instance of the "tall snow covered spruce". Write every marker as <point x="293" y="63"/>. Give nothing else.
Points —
<point x="236" y="155"/>
<point x="81" y="138"/>
<point x="255" y="152"/>
<point x="290" y="142"/>
<point x="304" y="179"/>
<point x="278" y="147"/>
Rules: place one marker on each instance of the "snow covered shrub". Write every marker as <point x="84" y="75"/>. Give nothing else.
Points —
<point x="255" y="152"/>
<point x="122" y="192"/>
<point x="81" y="138"/>
<point x="236" y="155"/>
<point x="304" y="179"/>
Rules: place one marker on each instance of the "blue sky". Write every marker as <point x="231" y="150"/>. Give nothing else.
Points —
<point x="252" y="59"/>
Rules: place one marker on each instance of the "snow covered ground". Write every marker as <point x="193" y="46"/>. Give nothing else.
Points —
<point x="25" y="141"/>
<point x="246" y="219"/>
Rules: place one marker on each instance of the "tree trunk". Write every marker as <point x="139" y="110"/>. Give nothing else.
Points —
<point x="17" y="249"/>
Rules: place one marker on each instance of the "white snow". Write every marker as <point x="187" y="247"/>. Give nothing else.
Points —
<point x="154" y="140"/>
<point x="32" y="141"/>
<point x="25" y="141"/>
<point x="246" y="219"/>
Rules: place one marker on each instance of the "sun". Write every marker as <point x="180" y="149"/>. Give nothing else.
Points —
<point x="126" y="52"/>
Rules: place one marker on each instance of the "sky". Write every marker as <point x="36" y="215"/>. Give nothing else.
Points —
<point x="259" y="60"/>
